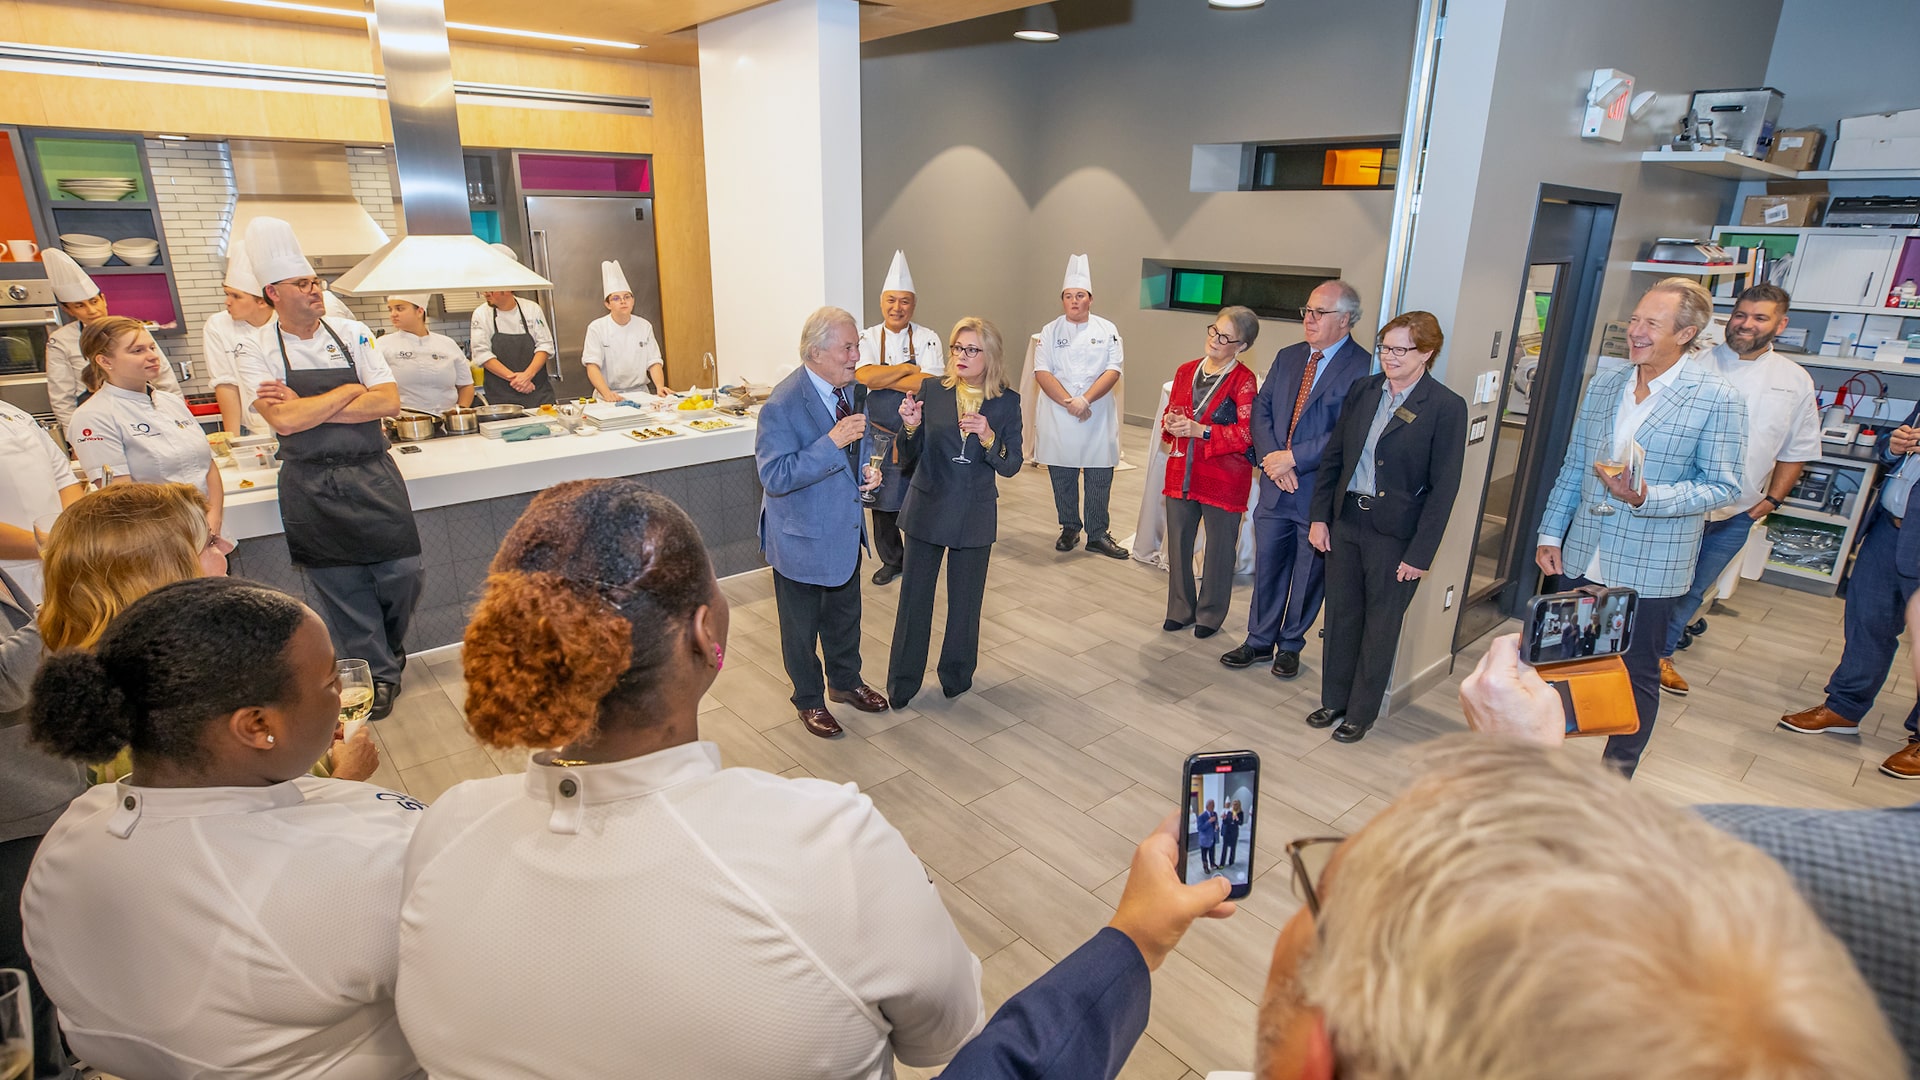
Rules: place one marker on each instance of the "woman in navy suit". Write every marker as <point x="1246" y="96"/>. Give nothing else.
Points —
<point x="950" y="511"/>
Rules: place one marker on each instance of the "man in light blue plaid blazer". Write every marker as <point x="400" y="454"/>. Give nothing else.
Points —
<point x="1693" y="426"/>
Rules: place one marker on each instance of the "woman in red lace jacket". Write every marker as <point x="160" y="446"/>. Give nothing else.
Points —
<point x="1208" y="428"/>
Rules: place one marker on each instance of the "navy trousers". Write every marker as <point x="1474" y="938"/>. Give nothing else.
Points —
<point x="1650" y="617"/>
<point x="1289" y="583"/>
<point x="1877" y="595"/>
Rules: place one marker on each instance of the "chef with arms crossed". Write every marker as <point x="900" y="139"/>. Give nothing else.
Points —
<point x="622" y="355"/>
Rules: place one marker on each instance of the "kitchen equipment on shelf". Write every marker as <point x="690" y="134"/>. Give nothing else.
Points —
<point x="87" y="249"/>
<point x="1688" y="251"/>
<point x="137" y="250"/>
<point x="1740" y="120"/>
<point x="488" y="413"/>
<point x="460" y="421"/>
<point x="1870" y="211"/>
<point x="98" y="188"/>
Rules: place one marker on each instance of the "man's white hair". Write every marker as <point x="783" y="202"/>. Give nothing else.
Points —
<point x="818" y="329"/>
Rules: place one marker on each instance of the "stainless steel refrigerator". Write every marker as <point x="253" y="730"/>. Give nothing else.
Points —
<point x="568" y="237"/>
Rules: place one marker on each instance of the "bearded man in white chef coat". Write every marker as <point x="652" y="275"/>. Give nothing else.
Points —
<point x="1077" y="425"/>
<point x="83" y="302"/>
<point x="896" y="340"/>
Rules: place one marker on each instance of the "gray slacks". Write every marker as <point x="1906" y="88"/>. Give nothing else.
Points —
<point x="1184" y="519"/>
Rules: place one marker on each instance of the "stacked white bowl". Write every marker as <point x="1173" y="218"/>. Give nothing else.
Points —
<point x="137" y="250"/>
<point x="99" y="188"/>
<point x="87" y="249"/>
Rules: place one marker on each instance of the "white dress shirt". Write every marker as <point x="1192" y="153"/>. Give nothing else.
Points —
<point x="622" y="353"/>
<point x="1783" y="417"/>
<point x="430" y="369"/>
<point x="525" y="318"/>
<point x="1626" y="424"/>
<point x="36" y="471"/>
<point x="148" y="435"/>
<point x="67" y="370"/>
<point x="918" y="346"/>
<point x="259" y="359"/>
<point x="663" y="916"/>
<point x="220" y="340"/>
<point x="200" y="933"/>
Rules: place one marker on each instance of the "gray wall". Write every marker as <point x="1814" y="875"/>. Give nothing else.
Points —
<point x="1835" y="58"/>
<point x="990" y="160"/>
<point x="1513" y="78"/>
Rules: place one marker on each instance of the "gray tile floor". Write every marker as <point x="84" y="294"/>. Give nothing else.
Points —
<point x="1025" y="797"/>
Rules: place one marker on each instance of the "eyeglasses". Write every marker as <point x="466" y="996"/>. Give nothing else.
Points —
<point x="1213" y="334"/>
<point x="971" y="352"/>
<point x="1310" y="857"/>
<point x="303" y="285"/>
<point x="1307" y="313"/>
<point x="1395" y="351"/>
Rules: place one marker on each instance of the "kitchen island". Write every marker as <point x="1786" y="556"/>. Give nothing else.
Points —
<point x="468" y="490"/>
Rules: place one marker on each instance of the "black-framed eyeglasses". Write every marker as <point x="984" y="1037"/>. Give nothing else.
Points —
<point x="1317" y="312"/>
<point x="971" y="352"/>
<point x="1395" y="351"/>
<point x="1310" y="857"/>
<point x="1214" y="334"/>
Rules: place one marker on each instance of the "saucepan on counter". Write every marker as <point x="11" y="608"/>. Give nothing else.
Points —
<point x="411" y="426"/>
<point x="488" y="413"/>
<point x="460" y="421"/>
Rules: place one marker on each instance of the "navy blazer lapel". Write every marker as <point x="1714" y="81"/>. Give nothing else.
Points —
<point x="1416" y="401"/>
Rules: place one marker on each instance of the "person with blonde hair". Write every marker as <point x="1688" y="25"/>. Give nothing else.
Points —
<point x="130" y="430"/>
<point x="962" y="433"/>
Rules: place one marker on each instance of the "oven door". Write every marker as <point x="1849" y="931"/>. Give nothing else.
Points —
<point x="23" y="340"/>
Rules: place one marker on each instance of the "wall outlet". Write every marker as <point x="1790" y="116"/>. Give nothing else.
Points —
<point x="1446" y="602"/>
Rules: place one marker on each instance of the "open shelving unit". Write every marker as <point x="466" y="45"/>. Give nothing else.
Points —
<point x="1733" y="165"/>
<point x="147" y="292"/>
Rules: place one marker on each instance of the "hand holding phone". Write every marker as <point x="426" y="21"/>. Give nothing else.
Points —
<point x="1219" y="798"/>
<point x="1582" y="624"/>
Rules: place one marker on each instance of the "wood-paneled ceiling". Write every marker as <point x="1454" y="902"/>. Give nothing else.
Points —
<point x="665" y="27"/>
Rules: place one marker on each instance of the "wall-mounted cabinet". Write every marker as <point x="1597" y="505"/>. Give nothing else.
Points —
<point x="72" y="178"/>
<point x="1846" y="270"/>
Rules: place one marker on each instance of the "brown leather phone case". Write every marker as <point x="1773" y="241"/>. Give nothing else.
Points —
<point x="1598" y="694"/>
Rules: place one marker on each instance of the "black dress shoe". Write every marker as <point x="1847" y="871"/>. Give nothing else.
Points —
<point x="1286" y="664"/>
<point x="383" y="695"/>
<point x="1204" y="632"/>
<point x="1324" y="718"/>
<point x="885" y="575"/>
<point x="955" y="691"/>
<point x="1172" y="625"/>
<point x="1245" y="656"/>
<point x="1351" y="730"/>
<point x="1069" y="539"/>
<point x="1104" y="545"/>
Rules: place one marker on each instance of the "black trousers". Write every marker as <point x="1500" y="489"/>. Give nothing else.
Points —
<point x="1365" y="607"/>
<point x="824" y="616"/>
<point x="913" y="625"/>
<point x="1067" y="501"/>
<point x="1184" y="518"/>
<point x="1650" y="617"/>
<point x="367" y="610"/>
<point x="886" y="538"/>
<point x="16" y="856"/>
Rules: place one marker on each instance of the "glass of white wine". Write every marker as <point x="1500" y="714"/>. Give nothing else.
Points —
<point x="16" y="1025"/>
<point x="1610" y="468"/>
<point x="356" y="695"/>
<point x="961" y="458"/>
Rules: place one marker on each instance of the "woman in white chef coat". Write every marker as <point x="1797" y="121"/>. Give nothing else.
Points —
<point x="132" y="430"/>
<point x="432" y="372"/>
<point x="245" y="315"/>
<point x="219" y="911"/>
<point x="37" y="482"/>
<point x="82" y="302"/>
<point x="511" y="343"/>
<point x="622" y="355"/>
<point x="1077" y="424"/>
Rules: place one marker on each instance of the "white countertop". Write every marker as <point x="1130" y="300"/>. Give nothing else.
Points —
<point x="469" y="468"/>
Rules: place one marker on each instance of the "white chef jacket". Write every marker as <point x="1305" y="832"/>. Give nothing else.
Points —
<point x="623" y="353"/>
<point x="334" y="306"/>
<point x="927" y="352"/>
<point x="1077" y="354"/>
<point x="1626" y="426"/>
<point x="259" y="358"/>
<point x="688" y="921"/>
<point x="525" y="318"/>
<point x="151" y="437"/>
<point x="1783" y="417"/>
<point x="220" y="341"/>
<point x="431" y="369"/>
<point x="225" y="932"/>
<point x="66" y="369"/>
<point x="36" y="471"/>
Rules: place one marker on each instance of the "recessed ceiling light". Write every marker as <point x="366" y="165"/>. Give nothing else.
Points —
<point x="1236" y="4"/>
<point x="472" y="28"/>
<point x="1037" y="23"/>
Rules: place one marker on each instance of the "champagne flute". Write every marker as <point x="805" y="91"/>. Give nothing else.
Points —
<point x="879" y="444"/>
<point x="16" y="1026"/>
<point x="1175" y="411"/>
<point x="961" y="458"/>
<point x="1609" y="467"/>
<point x="356" y="695"/>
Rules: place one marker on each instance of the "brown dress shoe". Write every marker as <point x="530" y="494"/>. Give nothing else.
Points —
<point x="1819" y="719"/>
<point x="820" y="722"/>
<point x="864" y="698"/>
<point x="1671" y="680"/>
<point x="1904" y="764"/>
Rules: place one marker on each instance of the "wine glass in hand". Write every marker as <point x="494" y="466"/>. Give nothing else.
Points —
<point x="1608" y="467"/>
<point x="356" y="695"/>
<point x="961" y="458"/>
<point x="1175" y="412"/>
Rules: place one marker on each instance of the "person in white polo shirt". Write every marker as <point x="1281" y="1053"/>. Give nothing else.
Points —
<point x="85" y="304"/>
<point x="433" y="373"/>
<point x="130" y="432"/>
<point x="219" y="912"/>
<point x="1783" y="434"/>
<point x="37" y="482"/>
<point x="246" y="314"/>
<point x="622" y="354"/>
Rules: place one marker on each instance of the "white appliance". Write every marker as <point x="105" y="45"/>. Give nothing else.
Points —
<point x="1880" y="141"/>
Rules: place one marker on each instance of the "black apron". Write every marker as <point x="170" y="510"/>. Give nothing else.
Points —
<point x="343" y="501"/>
<point x="516" y="351"/>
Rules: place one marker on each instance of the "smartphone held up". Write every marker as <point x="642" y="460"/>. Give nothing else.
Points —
<point x="1220" y="796"/>
<point x="1575" y="640"/>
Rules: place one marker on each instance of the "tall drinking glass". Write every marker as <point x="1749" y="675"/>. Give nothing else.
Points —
<point x="878" y="444"/>
<point x="1175" y="412"/>
<point x="1609" y="468"/>
<point x="356" y="695"/>
<point x="16" y="1025"/>
<point x="961" y="457"/>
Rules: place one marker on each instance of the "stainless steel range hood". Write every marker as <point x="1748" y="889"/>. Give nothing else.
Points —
<point x="439" y="252"/>
<point x="309" y="186"/>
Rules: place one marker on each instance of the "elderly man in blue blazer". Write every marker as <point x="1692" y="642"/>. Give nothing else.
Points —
<point x="808" y="450"/>
<point x="1294" y="414"/>
<point x="1644" y="533"/>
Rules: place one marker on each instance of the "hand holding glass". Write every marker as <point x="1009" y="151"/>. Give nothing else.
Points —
<point x="961" y="458"/>
<point x="878" y="443"/>
<point x="1174" y="412"/>
<point x="1608" y="468"/>
<point x="356" y="695"/>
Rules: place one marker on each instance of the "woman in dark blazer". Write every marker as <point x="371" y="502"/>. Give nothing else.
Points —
<point x="951" y="506"/>
<point x="1380" y="505"/>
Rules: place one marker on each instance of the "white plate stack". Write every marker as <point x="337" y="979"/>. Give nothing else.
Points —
<point x="88" y="249"/>
<point x="137" y="250"/>
<point x="99" y="188"/>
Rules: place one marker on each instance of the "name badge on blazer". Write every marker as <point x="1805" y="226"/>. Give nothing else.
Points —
<point x="1406" y="417"/>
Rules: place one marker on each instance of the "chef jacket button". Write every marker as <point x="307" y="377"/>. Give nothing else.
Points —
<point x="130" y="802"/>
<point x="569" y="788"/>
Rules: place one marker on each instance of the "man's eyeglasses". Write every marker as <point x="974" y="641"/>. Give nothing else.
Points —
<point x="1215" y="335"/>
<point x="1308" y="313"/>
<point x="1310" y="857"/>
<point x="303" y="284"/>
<point x="971" y="352"/>
<point x="1395" y="351"/>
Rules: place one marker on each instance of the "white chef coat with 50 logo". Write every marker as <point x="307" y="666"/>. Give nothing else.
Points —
<point x="1077" y="354"/>
<point x="148" y="435"/>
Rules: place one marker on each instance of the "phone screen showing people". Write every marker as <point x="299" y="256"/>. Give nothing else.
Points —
<point x="1221" y="799"/>
<point x="1579" y="625"/>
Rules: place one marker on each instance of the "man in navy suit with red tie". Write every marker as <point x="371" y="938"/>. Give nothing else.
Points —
<point x="1293" y="416"/>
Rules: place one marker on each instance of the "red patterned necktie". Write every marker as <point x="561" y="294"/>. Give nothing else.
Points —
<point x="842" y="408"/>
<point x="1300" y="399"/>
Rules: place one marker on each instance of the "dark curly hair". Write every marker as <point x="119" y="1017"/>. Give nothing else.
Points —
<point x="164" y="668"/>
<point x="579" y="611"/>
